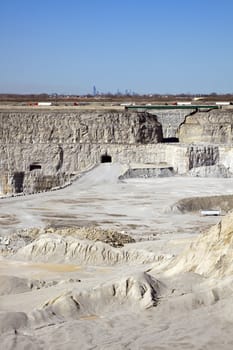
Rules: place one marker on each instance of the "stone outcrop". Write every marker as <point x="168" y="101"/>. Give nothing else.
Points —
<point x="79" y="127"/>
<point x="171" y="121"/>
<point x="78" y="157"/>
<point x="210" y="171"/>
<point x="42" y="149"/>
<point x="203" y="156"/>
<point x="215" y="126"/>
<point x="147" y="172"/>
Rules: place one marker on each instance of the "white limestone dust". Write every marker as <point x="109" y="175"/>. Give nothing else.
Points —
<point x="59" y="290"/>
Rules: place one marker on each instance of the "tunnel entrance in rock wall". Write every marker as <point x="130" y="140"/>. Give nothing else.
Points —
<point x="18" y="179"/>
<point x="170" y="139"/>
<point x="34" y="166"/>
<point x="105" y="158"/>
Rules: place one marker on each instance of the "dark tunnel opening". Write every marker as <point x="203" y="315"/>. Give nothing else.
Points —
<point x="170" y="140"/>
<point x="34" y="166"/>
<point x="18" y="180"/>
<point x="105" y="158"/>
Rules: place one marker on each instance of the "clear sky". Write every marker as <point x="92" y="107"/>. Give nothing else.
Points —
<point x="146" y="46"/>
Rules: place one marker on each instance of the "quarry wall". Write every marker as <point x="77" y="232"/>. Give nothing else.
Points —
<point x="215" y="126"/>
<point x="43" y="149"/>
<point x="171" y="120"/>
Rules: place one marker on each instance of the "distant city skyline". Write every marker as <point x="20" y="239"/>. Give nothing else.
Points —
<point x="146" y="46"/>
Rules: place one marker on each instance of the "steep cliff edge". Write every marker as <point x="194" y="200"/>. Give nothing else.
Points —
<point x="42" y="149"/>
<point x="215" y="126"/>
<point x="78" y="127"/>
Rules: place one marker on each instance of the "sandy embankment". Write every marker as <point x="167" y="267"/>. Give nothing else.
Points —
<point x="61" y="289"/>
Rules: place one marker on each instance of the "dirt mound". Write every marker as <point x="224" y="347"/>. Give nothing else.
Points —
<point x="13" y="284"/>
<point x="61" y="249"/>
<point x="224" y="203"/>
<point x="12" y="243"/>
<point x="113" y="238"/>
<point x="212" y="253"/>
<point x="139" y="291"/>
<point x="12" y="321"/>
<point x="16" y="285"/>
<point x="210" y="171"/>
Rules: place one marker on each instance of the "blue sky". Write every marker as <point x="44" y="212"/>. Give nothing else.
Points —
<point x="146" y="46"/>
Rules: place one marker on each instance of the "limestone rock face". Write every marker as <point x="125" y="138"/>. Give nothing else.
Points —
<point x="210" y="127"/>
<point x="171" y="120"/>
<point x="203" y="156"/>
<point x="78" y="127"/>
<point x="210" y="171"/>
<point x="42" y="149"/>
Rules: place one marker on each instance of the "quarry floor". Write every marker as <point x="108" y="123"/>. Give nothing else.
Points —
<point x="141" y="208"/>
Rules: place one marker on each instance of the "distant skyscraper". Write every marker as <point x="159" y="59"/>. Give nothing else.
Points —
<point x="94" y="90"/>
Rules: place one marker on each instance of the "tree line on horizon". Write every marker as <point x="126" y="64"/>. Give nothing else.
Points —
<point x="111" y="96"/>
